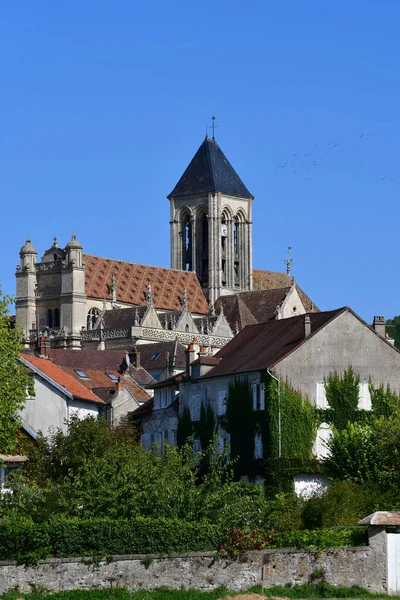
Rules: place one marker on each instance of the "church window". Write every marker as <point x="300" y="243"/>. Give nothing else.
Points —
<point x="92" y="317"/>
<point x="56" y="317"/>
<point x="236" y="235"/>
<point x="50" y="317"/>
<point x="223" y="272"/>
<point x="187" y="328"/>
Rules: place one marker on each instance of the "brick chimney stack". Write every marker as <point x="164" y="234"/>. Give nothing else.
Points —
<point x="44" y="346"/>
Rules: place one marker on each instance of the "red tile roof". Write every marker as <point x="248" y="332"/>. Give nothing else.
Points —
<point x="167" y="285"/>
<point x="56" y="374"/>
<point x="97" y="378"/>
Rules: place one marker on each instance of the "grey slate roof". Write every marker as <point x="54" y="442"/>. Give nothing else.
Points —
<point x="210" y="171"/>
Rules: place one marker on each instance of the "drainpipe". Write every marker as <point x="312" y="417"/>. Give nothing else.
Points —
<point x="279" y="413"/>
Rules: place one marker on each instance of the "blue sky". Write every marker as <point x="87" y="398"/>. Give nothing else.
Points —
<point x="103" y="104"/>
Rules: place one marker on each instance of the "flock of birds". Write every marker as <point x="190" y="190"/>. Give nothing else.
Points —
<point x="306" y="162"/>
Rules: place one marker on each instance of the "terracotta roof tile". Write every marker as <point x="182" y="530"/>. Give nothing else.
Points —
<point x="132" y="279"/>
<point x="56" y="374"/>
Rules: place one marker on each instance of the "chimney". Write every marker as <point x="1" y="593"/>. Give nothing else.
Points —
<point x="44" y="346"/>
<point x="119" y="386"/>
<point x="307" y="326"/>
<point x="191" y="355"/>
<point x="380" y="326"/>
<point x="136" y="357"/>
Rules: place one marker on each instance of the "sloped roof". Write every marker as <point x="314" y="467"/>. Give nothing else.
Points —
<point x="97" y="379"/>
<point x="148" y="351"/>
<point x="381" y="517"/>
<point x="210" y="171"/>
<point x="235" y="311"/>
<point x="104" y="360"/>
<point x="271" y="280"/>
<point x="100" y="360"/>
<point x="123" y="317"/>
<point x="62" y="379"/>
<point x="167" y="285"/>
<point x="258" y="347"/>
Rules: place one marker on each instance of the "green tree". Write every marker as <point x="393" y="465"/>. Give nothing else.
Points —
<point x="352" y="454"/>
<point x="393" y="329"/>
<point x="14" y="381"/>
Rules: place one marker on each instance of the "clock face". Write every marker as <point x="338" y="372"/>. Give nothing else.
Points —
<point x="224" y="231"/>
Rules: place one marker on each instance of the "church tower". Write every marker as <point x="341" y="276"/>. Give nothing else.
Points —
<point x="211" y="223"/>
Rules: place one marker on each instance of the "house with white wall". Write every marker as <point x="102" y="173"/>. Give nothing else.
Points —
<point x="301" y="350"/>
<point x="56" y="397"/>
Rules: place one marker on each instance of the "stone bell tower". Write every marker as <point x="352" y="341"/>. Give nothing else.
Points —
<point x="211" y="223"/>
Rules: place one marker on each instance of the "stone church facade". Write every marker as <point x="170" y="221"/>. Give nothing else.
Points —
<point x="80" y="301"/>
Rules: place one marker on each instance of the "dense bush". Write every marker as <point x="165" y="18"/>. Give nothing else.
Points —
<point x="28" y="542"/>
<point x="237" y="541"/>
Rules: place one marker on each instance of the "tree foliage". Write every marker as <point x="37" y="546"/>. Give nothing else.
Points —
<point x="13" y="380"/>
<point x="342" y="393"/>
<point x="393" y="327"/>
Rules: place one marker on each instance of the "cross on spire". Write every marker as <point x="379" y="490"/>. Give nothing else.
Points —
<point x="288" y="261"/>
<point x="213" y="126"/>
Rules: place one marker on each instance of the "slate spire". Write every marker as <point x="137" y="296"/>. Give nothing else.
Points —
<point x="210" y="171"/>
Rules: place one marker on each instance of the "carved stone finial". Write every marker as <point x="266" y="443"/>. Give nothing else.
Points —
<point x="237" y="328"/>
<point x="136" y="321"/>
<point x="184" y="299"/>
<point x="221" y="312"/>
<point x="202" y="326"/>
<point x="212" y="310"/>
<point x="55" y="243"/>
<point x="113" y="288"/>
<point x="149" y="296"/>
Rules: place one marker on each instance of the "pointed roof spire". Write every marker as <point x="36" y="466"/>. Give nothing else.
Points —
<point x="210" y="171"/>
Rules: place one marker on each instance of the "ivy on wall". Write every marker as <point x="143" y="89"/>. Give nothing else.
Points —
<point x="205" y="428"/>
<point x="239" y="422"/>
<point x="342" y="392"/>
<point x="299" y="422"/>
<point x="184" y="429"/>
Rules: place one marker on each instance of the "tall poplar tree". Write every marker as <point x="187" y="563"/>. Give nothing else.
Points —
<point x="14" y="381"/>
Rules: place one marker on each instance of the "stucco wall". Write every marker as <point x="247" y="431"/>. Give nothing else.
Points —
<point x="343" y="342"/>
<point x="342" y="566"/>
<point x="49" y="409"/>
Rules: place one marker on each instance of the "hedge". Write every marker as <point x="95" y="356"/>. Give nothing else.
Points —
<point x="28" y="542"/>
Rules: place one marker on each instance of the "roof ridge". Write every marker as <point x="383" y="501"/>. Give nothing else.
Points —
<point x="139" y="264"/>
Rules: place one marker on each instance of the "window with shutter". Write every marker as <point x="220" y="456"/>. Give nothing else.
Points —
<point x="320" y="449"/>
<point x="262" y="396"/>
<point x="321" y="396"/>
<point x="364" y="397"/>
<point x="146" y="439"/>
<point x="195" y="407"/>
<point x="222" y="402"/>
<point x="256" y="396"/>
<point x="196" y="446"/>
<point x="258" y="448"/>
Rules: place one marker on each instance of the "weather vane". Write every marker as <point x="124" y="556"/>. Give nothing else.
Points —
<point x="288" y="261"/>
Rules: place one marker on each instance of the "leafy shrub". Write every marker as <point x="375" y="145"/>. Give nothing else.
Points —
<point x="28" y="542"/>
